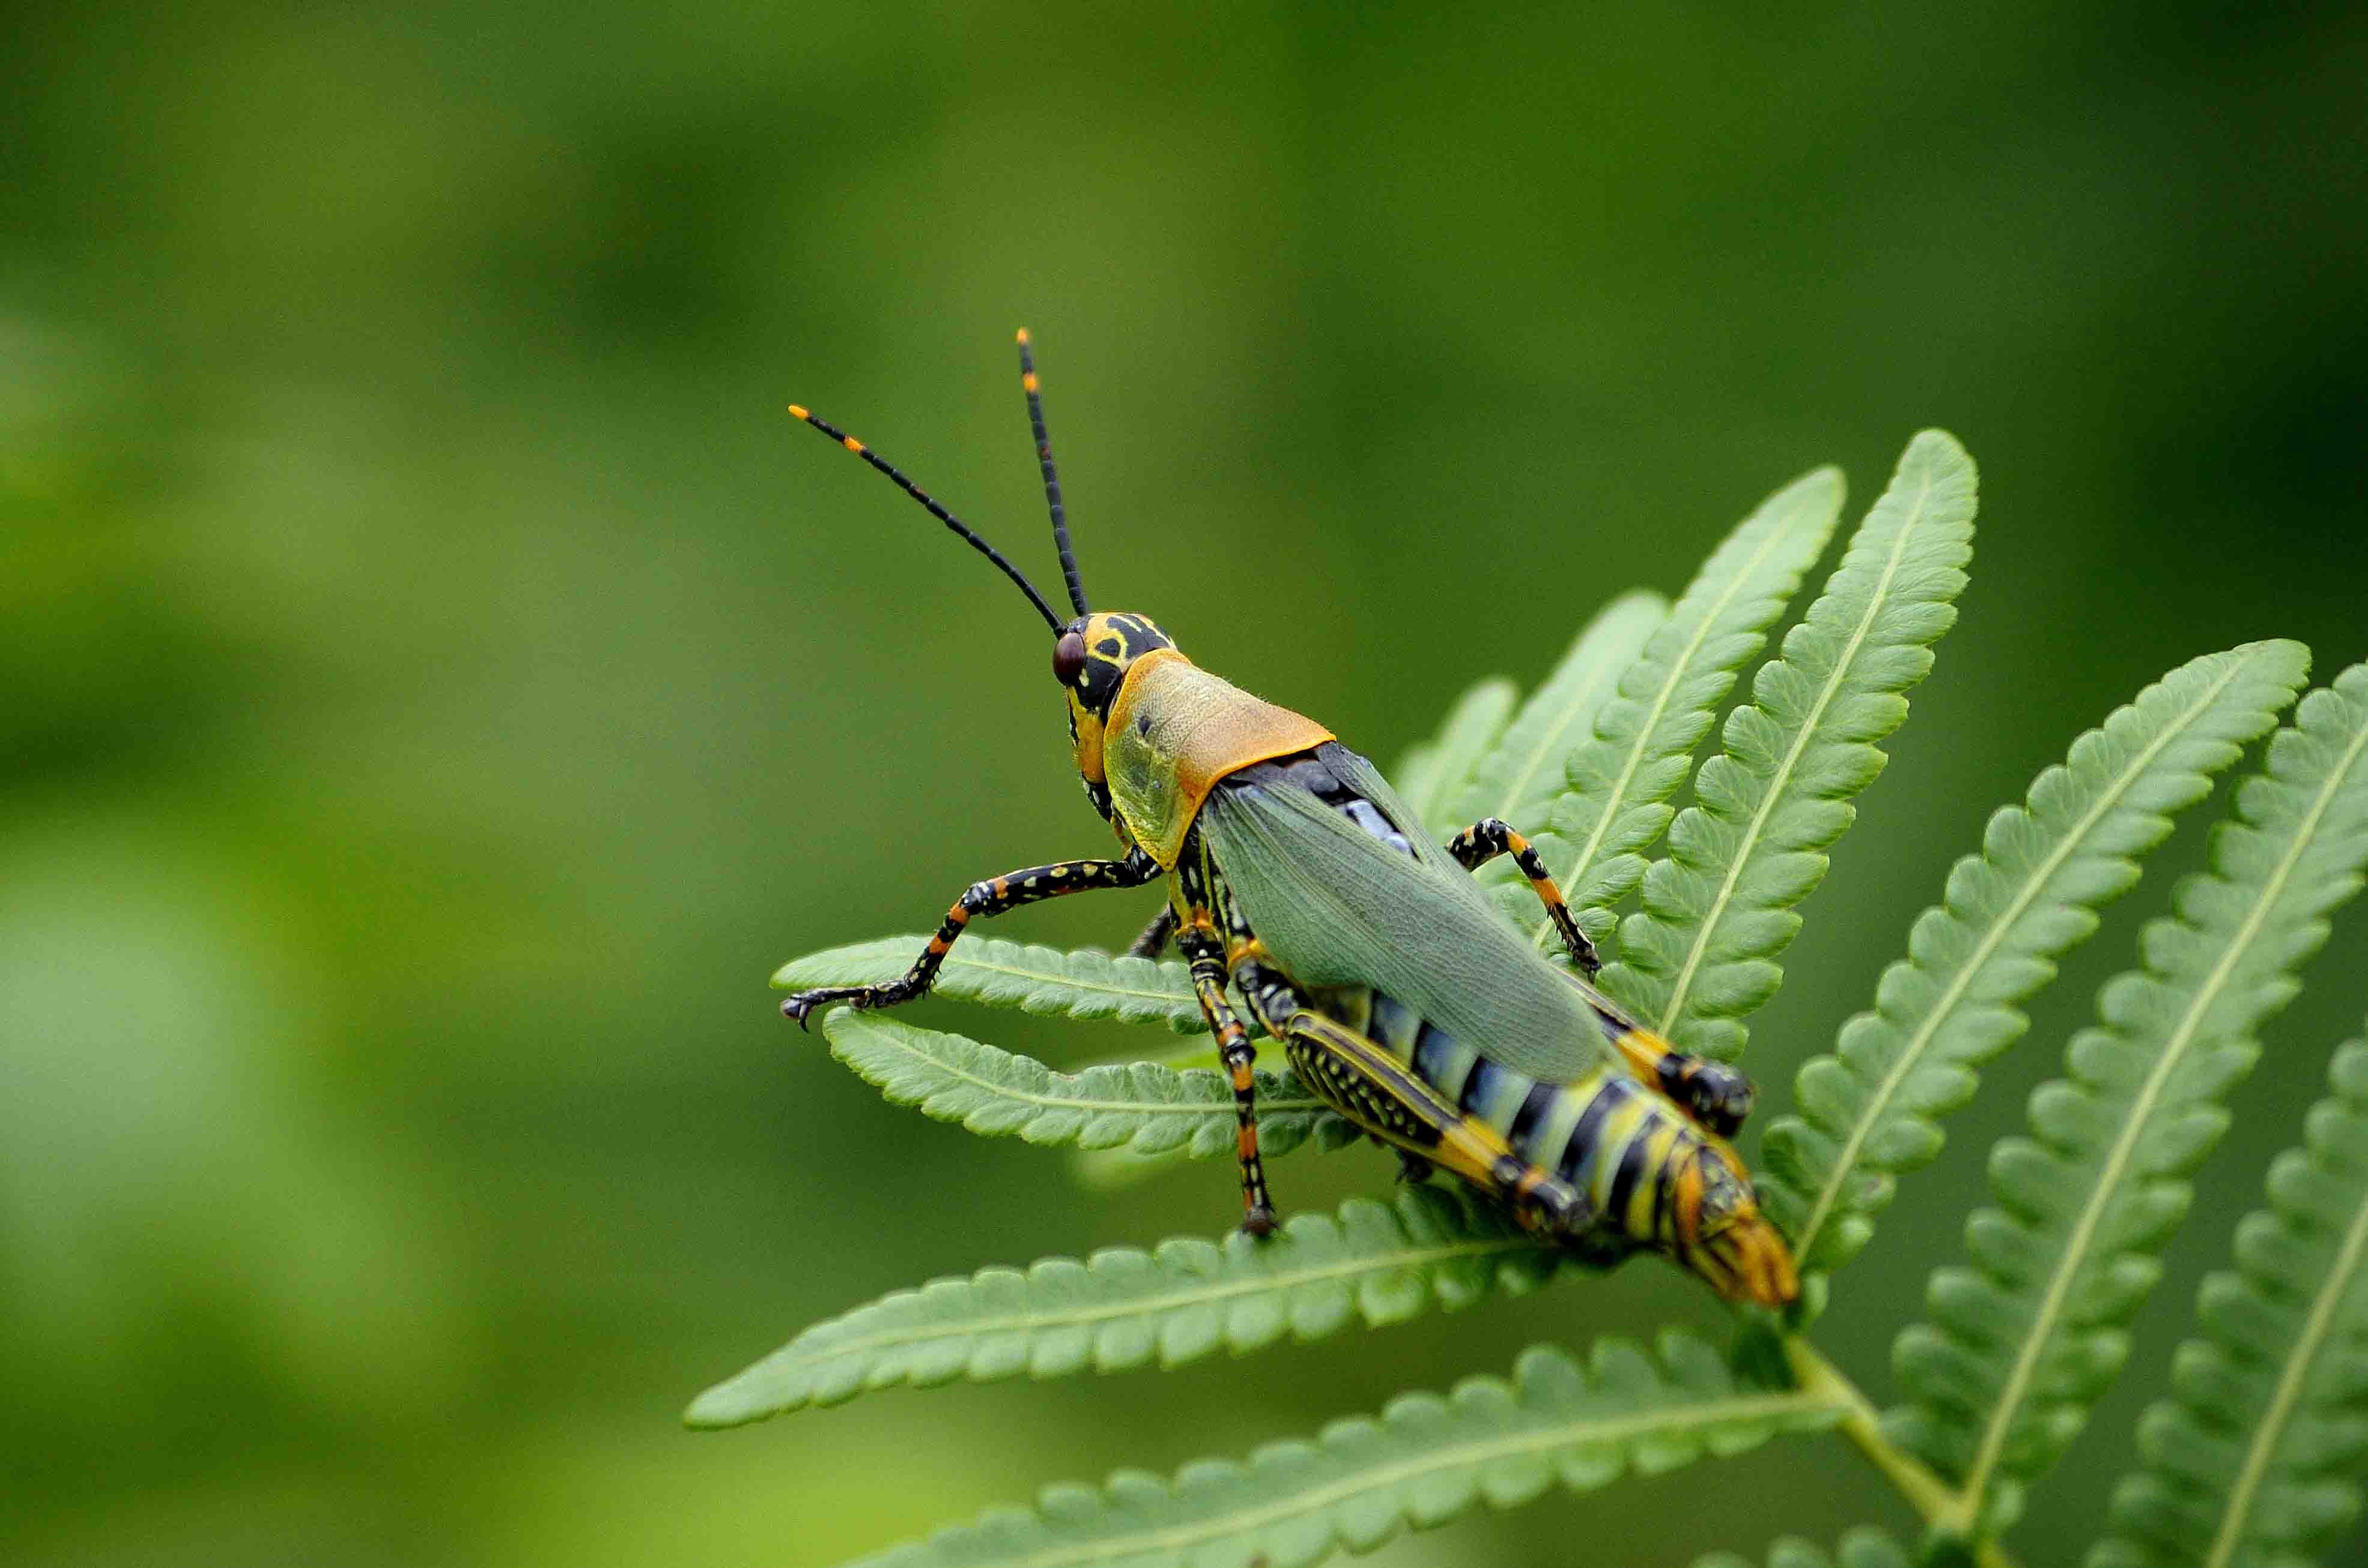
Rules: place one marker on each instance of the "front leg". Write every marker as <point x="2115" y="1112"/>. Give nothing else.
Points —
<point x="992" y="896"/>
<point x="1487" y="839"/>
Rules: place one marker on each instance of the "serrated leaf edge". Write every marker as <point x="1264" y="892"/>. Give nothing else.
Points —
<point x="2316" y="1327"/>
<point x="1772" y="793"/>
<point x="2000" y="1420"/>
<point x="1272" y="1278"/>
<point x="1681" y="669"/>
<point x="1829" y="1192"/>
<point x="967" y="958"/>
<point x="1786" y="1408"/>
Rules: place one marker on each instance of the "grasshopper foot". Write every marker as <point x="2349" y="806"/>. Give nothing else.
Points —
<point x="1259" y="1222"/>
<point x="799" y="1005"/>
<point x="1719" y="1096"/>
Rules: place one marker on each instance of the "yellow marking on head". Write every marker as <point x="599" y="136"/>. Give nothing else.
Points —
<point x="1023" y="336"/>
<point x="1028" y="382"/>
<point x="852" y="444"/>
<point x="799" y="413"/>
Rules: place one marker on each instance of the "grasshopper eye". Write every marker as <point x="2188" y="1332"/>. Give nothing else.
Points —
<point x="1069" y="658"/>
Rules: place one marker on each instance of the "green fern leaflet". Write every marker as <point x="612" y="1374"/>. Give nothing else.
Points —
<point x="2256" y="1457"/>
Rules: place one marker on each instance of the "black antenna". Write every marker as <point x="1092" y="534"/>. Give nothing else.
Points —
<point x="1051" y="480"/>
<point x="917" y="494"/>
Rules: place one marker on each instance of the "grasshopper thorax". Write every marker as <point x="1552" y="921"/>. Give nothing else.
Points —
<point x="1090" y="661"/>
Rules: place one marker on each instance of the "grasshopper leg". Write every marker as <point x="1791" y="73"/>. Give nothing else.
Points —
<point x="1713" y="1095"/>
<point x="1238" y="1056"/>
<point x="1716" y="1096"/>
<point x="1487" y="839"/>
<point x="981" y="899"/>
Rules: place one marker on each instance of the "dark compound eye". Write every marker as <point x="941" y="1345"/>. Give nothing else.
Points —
<point x="1069" y="658"/>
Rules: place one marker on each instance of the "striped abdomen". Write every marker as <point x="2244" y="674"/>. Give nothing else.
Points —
<point x="1629" y="1162"/>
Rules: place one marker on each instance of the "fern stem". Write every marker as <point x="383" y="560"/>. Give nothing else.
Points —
<point x="1930" y="1495"/>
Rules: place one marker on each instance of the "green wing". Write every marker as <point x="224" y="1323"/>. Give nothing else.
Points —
<point x="1339" y="907"/>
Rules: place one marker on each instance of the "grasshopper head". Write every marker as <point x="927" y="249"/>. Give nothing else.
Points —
<point x="1723" y="1236"/>
<point x="1090" y="661"/>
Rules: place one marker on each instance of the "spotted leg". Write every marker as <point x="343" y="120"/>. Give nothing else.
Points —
<point x="1487" y="839"/>
<point x="992" y="896"/>
<point x="1197" y="941"/>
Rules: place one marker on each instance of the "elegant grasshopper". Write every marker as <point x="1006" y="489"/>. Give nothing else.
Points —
<point x="1297" y="876"/>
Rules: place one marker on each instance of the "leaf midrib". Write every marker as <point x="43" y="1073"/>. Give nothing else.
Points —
<point x="1415" y="1257"/>
<point x="2315" y="1328"/>
<point x="2059" y="1284"/>
<point x="1207" y="1108"/>
<point x="1842" y="667"/>
<point x="1545" y="930"/>
<point x="1962" y="981"/>
<point x="1625" y="1430"/>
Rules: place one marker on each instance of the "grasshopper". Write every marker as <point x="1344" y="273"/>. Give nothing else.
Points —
<point x="1296" y="877"/>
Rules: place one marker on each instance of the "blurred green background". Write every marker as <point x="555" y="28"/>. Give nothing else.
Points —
<point x="441" y="683"/>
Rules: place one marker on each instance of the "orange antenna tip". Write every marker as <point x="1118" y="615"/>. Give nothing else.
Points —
<point x="1023" y="338"/>
<point x="797" y="412"/>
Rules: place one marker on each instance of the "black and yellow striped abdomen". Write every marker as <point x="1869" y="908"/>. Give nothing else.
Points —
<point x="1632" y="1164"/>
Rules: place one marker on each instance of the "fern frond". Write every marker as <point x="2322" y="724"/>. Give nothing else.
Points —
<point x="995" y="1093"/>
<point x="2255" y="1459"/>
<point x="1433" y="774"/>
<point x="1701" y="953"/>
<point x="2021" y="1343"/>
<point x="1523" y="771"/>
<point x="1865" y="1546"/>
<point x="1615" y="786"/>
<point x="1426" y="1459"/>
<point x="1080" y="984"/>
<point x="1871" y="1111"/>
<point x="1382" y="1262"/>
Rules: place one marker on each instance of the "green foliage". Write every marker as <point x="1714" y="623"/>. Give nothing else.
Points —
<point x="1523" y="771"/>
<point x="1859" y="1549"/>
<point x="2024" y="1338"/>
<point x="1148" y="1108"/>
<point x="2248" y="1461"/>
<point x="2253" y="1459"/>
<point x="1381" y="1263"/>
<point x="1433" y="774"/>
<point x="1702" y="951"/>
<point x="1871" y="1111"/>
<point x="1084" y="984"/>
<point x="1618" y="781"/>
<point x="1423" y="1462"/>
